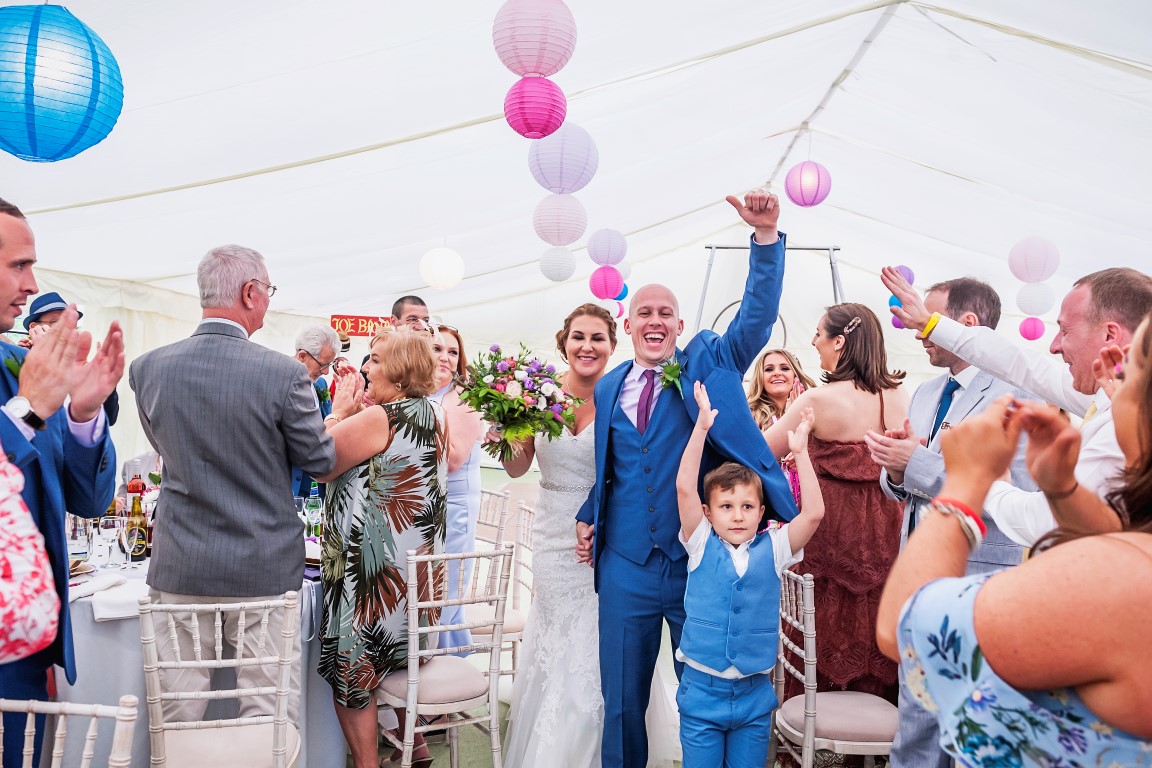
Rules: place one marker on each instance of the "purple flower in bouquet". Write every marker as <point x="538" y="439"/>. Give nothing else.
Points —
<point x="502" y="366"/>
<point x="549" y="369"/>
<point x="557" y="409"/>
<point x="495" y="348"/>
<point x="529" y="385"/>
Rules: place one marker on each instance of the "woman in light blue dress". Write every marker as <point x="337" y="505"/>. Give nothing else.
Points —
<point x="1044" y="665"/>
<point x="465" y="429"/>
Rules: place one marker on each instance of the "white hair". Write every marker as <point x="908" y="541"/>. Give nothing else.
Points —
<point x="224" y="270"/>
<point x="314" y="338"/>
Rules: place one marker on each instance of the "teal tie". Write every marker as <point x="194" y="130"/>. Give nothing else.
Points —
<point x="945" y="403"/>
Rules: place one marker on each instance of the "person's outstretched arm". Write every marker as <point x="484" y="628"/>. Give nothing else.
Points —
<point x="687" y="479"/>
<point x="804" y="525"/>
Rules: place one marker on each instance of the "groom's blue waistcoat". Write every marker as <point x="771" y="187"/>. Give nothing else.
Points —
<point x="647" y="485"/>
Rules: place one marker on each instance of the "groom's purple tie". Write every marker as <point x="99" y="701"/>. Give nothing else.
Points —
<point x="644" y="409"/>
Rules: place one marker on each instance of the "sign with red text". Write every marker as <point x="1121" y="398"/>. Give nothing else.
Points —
<point x="357" y="325"/>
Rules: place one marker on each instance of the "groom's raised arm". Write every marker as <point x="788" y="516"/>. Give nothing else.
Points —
<point x="752" y="326"/>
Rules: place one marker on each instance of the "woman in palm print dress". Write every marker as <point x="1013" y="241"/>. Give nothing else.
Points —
<point x="387" y="495"/>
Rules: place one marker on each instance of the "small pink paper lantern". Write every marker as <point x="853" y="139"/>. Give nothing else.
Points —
<point x="1032" y="328"/>
<point x="534" y="37"/>
<point x="607" y="247"/>
<point x="896" y="322"/>
<point x="565" y="161"/>
<point x="606" y="283"/>
<point x="535" y="107"/>
<point x="808" y="183"/>
<point x="1034" y="259"/>
<point x="560" y="219"/>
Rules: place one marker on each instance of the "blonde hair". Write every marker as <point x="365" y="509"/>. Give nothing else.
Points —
<point x="406" y="359"/>
<point x="763" y="409"/>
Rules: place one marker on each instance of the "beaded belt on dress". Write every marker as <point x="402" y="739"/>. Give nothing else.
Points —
<point x="565" y="488"/>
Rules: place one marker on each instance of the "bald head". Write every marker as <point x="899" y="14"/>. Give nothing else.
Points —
<point x="654" y="324"/>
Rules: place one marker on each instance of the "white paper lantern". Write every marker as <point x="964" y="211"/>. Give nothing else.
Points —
<point x="534" y="37"/>
<point x="558" y="264"/>
<point x="625" y="269"/>
<point x="1034" y="259"/>
<point x="565" y="161"/>
<point x="1035" y="298"/>
<point x="607" y="247"/>
<point x="615" y="308"/>
<point x="560" y="219"/>
<point x="442" y="268"/>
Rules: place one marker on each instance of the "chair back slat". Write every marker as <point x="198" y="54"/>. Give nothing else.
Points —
<point x="124" y="715"/>
<point x="523" y="583"/>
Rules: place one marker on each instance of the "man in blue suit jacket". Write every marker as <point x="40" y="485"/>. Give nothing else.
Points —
<point x="64" y="451"/>
<point x="629" y="526"/>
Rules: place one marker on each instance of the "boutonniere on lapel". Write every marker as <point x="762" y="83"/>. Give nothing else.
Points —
<point x="670" y="375"/>
<point x="13" y="364"/>
<point x="322" y="392"/>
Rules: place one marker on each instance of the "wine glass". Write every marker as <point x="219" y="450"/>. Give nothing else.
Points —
<point x="299" y="502"/>
<point x="109" y="529"/>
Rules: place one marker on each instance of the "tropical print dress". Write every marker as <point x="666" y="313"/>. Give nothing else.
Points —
<point x="984" y="722"/>
<point x="374" y="513"/>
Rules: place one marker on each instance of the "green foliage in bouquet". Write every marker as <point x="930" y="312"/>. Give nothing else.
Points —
<point x="520" y="396"/>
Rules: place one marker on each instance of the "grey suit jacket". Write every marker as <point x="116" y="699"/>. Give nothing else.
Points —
<point x="230" y="418"/>
<point x="925" y="472"/>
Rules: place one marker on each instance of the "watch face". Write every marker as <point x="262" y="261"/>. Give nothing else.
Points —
<point x="19" y="407"/>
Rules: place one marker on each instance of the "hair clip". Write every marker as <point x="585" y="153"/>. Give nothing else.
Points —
<point x="851" y="326"/>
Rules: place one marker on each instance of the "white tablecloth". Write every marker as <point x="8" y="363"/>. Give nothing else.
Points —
<point x="109" y="665"/>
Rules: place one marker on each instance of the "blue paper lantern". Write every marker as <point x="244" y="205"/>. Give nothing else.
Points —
<point x="60" y="86"/>
<point x="623" y="293"/>
<point x="894" y="301"/>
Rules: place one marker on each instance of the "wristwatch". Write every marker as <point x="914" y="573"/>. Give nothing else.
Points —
<point x="22" y="409"/>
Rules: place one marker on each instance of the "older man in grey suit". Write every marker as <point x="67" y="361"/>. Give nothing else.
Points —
<point x="913" y="471"/>
<point x="230" y="418"/>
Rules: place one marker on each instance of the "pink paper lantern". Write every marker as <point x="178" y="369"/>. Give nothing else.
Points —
<point x="1032" y="328"/>
<point x="606" y="283"/>
<point x="534" y="37"/>
<point x="565" y="161"/>
<point x="1034" y="259"/>
<point x="808" y="183"/>
<point x="896" y="322"/>
<point x="535" y="107"/>
<point x="607" y="247"/>
<point x="560" y="219"/>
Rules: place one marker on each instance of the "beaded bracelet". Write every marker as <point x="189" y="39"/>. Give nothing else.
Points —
<point x="967" y="510"/>
<point x="1063" y="494"/>
<point x="930" y="325"/>
<point x="967" y="524"/>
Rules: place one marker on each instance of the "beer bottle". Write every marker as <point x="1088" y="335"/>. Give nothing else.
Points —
<point x="136" y="532"/>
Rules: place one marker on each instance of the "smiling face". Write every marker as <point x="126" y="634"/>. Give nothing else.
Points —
<point x="446" y="347"/>
<point x="653" y="322"/>
<point x="778" y="376"/>
<point x="1130" y="403"/>
<point x="588" y="346"/>
<point x="828" y="346"/>
<point x="734" y="512"/>
<point x="17" y="255"/>
<point x="380" y="389"/>
<point x="937" y="301"/>
<point x="1079" y="338"/>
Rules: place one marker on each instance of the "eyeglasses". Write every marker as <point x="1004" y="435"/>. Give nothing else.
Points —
<point x="323" y="366"/>
<point x="271" y="288"/>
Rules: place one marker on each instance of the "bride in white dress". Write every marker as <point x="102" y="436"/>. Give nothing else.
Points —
<point x="557" y="712"/>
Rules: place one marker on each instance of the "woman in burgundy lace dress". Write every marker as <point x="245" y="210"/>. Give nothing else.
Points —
<point x="852" y="552"/>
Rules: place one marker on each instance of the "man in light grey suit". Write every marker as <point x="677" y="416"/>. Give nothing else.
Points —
<point x="913" y="471"/>
<point x="230" y="418"/>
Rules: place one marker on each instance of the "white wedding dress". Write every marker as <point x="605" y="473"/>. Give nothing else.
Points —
<point x="557" y="711"/>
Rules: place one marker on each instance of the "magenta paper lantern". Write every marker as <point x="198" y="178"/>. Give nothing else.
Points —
<point x="535" y="107"/>
<point x="534" y="37"/>
<point x="1034" y="259"/>
<point x="808" y="183"/>
<point x="606" y="283"/>
<point x="1035" y="298"/>
<point x="909" y="275"/>
<point x="1032" y="328"/>
<point x="897" y="323"/>
<point x="565" y="161"/>
<point x="560" y="219"/>
<point x="607" y="247"/>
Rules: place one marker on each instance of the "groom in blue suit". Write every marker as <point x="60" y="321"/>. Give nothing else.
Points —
<point x="629" y="526"/>
<point x="61" y="446"/>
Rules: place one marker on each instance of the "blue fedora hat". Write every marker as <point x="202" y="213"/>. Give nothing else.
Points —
<point x="42" y="305"/>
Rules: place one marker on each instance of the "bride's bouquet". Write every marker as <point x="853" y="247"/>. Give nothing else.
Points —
<point x="518" y="394"/>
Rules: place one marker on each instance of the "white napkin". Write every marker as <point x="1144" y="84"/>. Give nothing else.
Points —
<point x="123" y="602"/>
<point x="91" y="586"/>
<point x="311" y="550"/>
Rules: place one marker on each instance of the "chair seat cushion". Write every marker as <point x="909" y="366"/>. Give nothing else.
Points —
<point x="844" y="716"/>
<point x="245" y="746"/>
<point x="514" y="620"/>
<point x="443" y="679"/>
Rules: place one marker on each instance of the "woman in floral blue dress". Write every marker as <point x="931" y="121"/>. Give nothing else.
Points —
<point x="1044" y="665"/>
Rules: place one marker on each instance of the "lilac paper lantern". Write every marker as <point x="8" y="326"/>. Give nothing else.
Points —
<point x="565" y="161"/>
<point x="897" y="323"/>
<point x="560" y="219"/>
<point x="1035" y="298"/>
<point x="808" y="183"/>
<point x="1032" y="328"/>
<point x="1034" y="259"/>
<point x="909" y="275"/>
<point x="605" y="283"/>
<point x="558" y="264"/>
<point x="534" y="37"/>
<point x="607" y="247"/>
<point x="535" y="107"/>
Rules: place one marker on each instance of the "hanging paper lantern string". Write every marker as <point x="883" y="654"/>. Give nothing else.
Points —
<point x="808" y="183"/>
<point x="894" y="301"/>
<point x="606" y="283"/>
<point x="535" y="107"/>
<point x="60" y="86"/>
<point x="623" y="293"/>
<point x="897" y="323"/>
<point x="560" y="219"/>
<point x="442" y="268"/>
<point x="558" y="264"/>
<point x="607" y="247"/>
<point x="1034" y="259"/>
<point x="615" y="308"/>
<point x="565" y="161"/>
<point x="1035" y="298"/>
<point x="534" y="37"/>
<point x="1032" y="328"/>
<point x="909" y="275"/>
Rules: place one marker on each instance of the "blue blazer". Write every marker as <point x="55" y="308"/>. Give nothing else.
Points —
<point x="60" y="475"/>
<point x="720" y="362"/>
